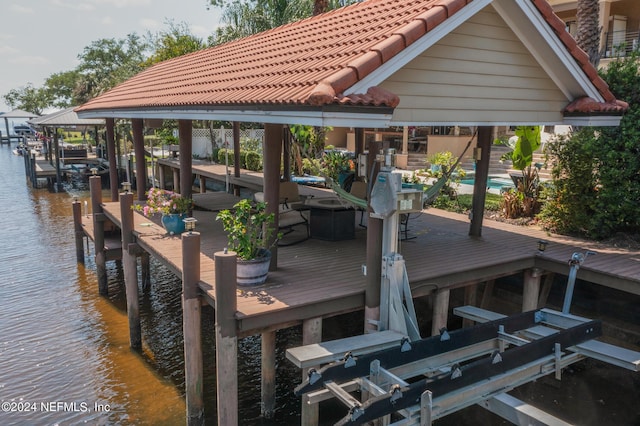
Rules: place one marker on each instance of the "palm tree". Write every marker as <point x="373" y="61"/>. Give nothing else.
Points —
<point x="588" y="33"/>
<point x="320" y="6"/>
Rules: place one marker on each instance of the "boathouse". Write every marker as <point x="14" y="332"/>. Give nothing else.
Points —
<point x="374" y="64"/>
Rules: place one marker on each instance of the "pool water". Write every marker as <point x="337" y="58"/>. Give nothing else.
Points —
<point x="492" y="183"/>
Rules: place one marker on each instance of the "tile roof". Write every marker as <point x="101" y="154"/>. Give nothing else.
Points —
<point x="310" y="63"/>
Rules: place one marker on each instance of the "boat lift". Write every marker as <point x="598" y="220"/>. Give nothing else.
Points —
<point x="406" y="380"/>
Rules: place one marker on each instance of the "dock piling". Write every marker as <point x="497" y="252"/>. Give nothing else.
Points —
<point x="95" y="186"/>
<point x="268" y="374"/>
<point x="130" y="265"/>
<point x="191" y="325"/>
<point x="226" y="338"/>
<point x="77" y="227"/>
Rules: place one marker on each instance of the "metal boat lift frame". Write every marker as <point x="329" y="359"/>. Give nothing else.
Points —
<point x="418" y="382"/>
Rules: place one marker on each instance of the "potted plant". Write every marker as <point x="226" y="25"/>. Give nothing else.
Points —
<point x="172" y="206"/>
<point x="249" y="229"/>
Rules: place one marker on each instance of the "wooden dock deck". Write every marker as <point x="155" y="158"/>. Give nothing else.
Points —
<point x="323" y="278"/>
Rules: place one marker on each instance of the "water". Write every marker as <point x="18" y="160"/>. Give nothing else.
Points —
<point x="65" y="357"/>
<point x="64" y="350"/>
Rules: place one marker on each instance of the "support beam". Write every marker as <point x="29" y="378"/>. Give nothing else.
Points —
<point x="373" y="250"/>
<point x="440" y="310"/>
<point x="77" y="229"/>
<point x="186" y="137"/>
<point x="130" y="266"/>
<point x="57" y="157"/>
<point x="95" y="186"/>
<point x="113" y="160"/>
<point x="226" y="338"/>
<point x="531" y="289"/>
<point x="145" y="270"/>
<point x="311" y="333"/>
<point x="191" y="327"/>
<point x="480" y="185"/>
<point x="470" y="299"/>
<point x="268" y="375"/>
<point x="137" y="127"/>
<point x="272" y="156"/>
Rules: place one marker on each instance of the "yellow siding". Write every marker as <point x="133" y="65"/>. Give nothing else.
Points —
<point x="473" y="73"/>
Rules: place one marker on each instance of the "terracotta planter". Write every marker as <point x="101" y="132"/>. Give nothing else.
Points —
<point x="254" y="271"/>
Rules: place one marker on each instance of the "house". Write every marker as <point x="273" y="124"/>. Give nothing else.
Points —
<point x="374" y="64"/>
<point x="619" y="21"/>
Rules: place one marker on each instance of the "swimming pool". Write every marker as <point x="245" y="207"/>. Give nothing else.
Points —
<point x="493" y="182"/>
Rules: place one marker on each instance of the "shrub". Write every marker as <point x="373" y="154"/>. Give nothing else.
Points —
<point x="252" y="161"/>
<point x="222" y="156"/>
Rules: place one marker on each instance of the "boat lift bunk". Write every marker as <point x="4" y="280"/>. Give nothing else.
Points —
<point x="408" y="380"/>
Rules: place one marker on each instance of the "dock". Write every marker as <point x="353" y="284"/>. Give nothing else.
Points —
<point x="317" y="279"/>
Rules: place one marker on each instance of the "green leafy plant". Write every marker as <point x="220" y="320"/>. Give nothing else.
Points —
<point x="164" y="202"/>
<point x="336" y="162"/>
<point x="525" y="201"/>
<point x="249" y="228"/>
<point x="442" y="164"/>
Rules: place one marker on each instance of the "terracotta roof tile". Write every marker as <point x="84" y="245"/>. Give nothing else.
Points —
<point x="558" y="26"/>
<point x="310" y="62"/>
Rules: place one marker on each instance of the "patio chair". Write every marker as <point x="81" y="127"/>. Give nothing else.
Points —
<point x="290" y="215"/>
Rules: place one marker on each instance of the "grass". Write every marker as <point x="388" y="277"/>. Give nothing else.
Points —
<point x="463" y="202"/>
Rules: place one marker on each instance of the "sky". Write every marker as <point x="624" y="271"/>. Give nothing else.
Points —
<point x="41" y="37"/>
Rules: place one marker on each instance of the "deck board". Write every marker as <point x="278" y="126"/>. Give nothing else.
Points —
<point x="318" y="278"/>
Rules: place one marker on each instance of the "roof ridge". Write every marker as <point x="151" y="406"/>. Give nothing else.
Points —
<point x="383" y="51"/>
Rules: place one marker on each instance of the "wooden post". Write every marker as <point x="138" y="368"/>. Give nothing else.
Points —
<point x="176" y="179"/>
<point x="145" y="270"/>
<point x="191" y="326"/>
<point x="373" y="254"/>
<point x="272" y="156"/>
<point x="440" y="310"/>
<point x="268" y="370"/>
<point x="162" y="181"/>
<point x="203" y="184"/>
<point x="531" y="289"/>
<point x="487" y="294"/>
<point x="137" y="127"/>
<point x="226" y="338"/>
<point x="470" y="299"/>
<point x="77" y="228"/>
<point x="95" y="186"/>
<point x="113" y="159"/>
<point x="480" y="184"/>
<point x="57" y="157"/>
<point x="286" y="154"/>
<point x="311" y="333"/>
<point x="546" y="289"/>
<point x="236" y="148"/>
<point x="32" y="168"/>
<point x="130" y="266"/>
<point x="186" y="149"/>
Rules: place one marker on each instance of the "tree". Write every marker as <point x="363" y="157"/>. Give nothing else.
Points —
<point x="596" y="185"/>
<point x="171" y="43"/>
<point x="108" y="62"/>
<point x="588" y="32"/>
<point x="61" y="87"/>
<point x="242" y="18"/>
<point x="28" y="98"/>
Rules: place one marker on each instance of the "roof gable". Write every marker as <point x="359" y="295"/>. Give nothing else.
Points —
<point x="317" y="67"/>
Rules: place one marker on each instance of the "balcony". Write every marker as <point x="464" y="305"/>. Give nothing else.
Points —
<point x="620" y="43"/>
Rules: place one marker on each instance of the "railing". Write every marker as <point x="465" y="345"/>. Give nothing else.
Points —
<point x="620" y="43"/>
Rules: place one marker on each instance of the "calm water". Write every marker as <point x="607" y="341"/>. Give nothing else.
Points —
<point x="65" y="357"/>
<point x="64" y="350"/>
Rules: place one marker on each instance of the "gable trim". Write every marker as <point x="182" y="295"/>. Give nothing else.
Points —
<point x="412" y="51"/>
<point x="530" y="10"/>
